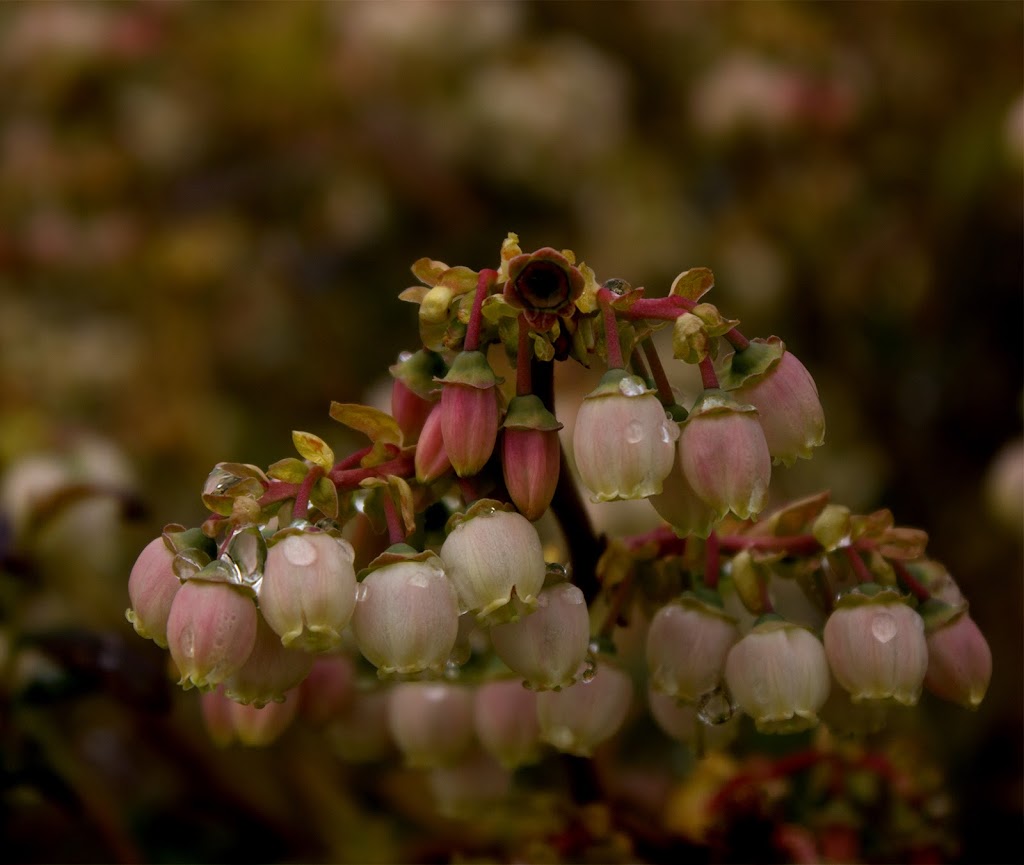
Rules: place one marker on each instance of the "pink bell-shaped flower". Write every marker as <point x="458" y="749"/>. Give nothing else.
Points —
<point x="530" y="455"/>
<point x="469" y="412"/>
<point x="269" y="672"/>
<point x="431" y="458"/>
<point x="547" y="646"/>
<point x="308" y="591"/>
<point x="407" y="613"/>
<point x="411" y="392"/>
<point x="431" y="722"/>
<point x="777" y="673"/>
<point x="211" y="631"/>
<point x="785" y="396"/>
<point x="152" y="586"/>
<point x="959" y="660"/>
<point x="505" y="719"/>
<point x="329" y="687"/>
<point x="623" y="441"/>
<point x="680" y="506"/>
<point x="491" y="551"/>
<point x="682" y="721"/>
<point x="579" y="718"/>
<point x="723" y="453"/>
<point x="876" y="646"/>
<point x="687" y="643"/>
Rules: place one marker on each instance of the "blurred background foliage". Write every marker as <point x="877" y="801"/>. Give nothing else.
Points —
<point x="207" y="213"/>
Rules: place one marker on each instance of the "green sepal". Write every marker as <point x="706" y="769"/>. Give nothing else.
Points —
<point x="747" y="579"/>
<point x="470" y="368"/>
<point x="714" y="322"/>
<point x="693" y="283"/>
<point x="528" y="413"/>
<point x="481" y="507"/>
<point x="772" y="622"/>
<point x="228" y="481"/>
<point x="715" y="400"/>
<point x="395" y="554"/>
<point x="324" y="497"/>
<point x="938" y="613"/>
<point x="428" y="271"/>
<point x="794" y="518"/>
<point x="754" y="360"/>
<point x="378" y="426"/>
<point x="872" y="593"/>
<point x="189" y="562"/>
<point x="611" y="384"/>
<point x="291" y="470"/>
<point x="705" y="600"/>
<point x="177" y="539"/>
<point x="691" y="342"/>
<point x="831" y="527"/>
<point x="419" y="371"/>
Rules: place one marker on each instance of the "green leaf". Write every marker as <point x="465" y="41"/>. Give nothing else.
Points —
<point x="714" y="322"/>
<point x="290" y="470"/>
<point x="690" y="342"/>
<point x="414" y="294"/>
<point x="693" y="283"/>
<point x="460" y="279"/>
<point x="313" y="448"/>
<point x="324" y="496"/>
<point x="428" y="271"/>
<point x="832" y="527"/>
<point x="378" y="426"/>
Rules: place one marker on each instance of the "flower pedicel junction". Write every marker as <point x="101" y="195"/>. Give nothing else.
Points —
<point x="422" y="554"/>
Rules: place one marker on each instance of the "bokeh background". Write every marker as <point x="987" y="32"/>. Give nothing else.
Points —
<point x="207" y="212"/>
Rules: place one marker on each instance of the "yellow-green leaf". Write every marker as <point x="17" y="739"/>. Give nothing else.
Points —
<point x="324" y="496"/>
<point x="414" y="294"/>
<point x="313" y="448"/>
<point x="428" y="271"/>
<point x="290" y="470"/>
<point x="693" y="283"/>
<point x="690" y="342"/>
<point x="378" y="426"/>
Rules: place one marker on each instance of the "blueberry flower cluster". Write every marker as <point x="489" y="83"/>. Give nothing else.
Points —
<point x="441" y="595"/>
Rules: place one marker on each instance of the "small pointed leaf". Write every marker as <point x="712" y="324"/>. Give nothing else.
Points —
<point x="313" y="448"/>
<point x="693" y="283"/>
<point x="290" y="470"/>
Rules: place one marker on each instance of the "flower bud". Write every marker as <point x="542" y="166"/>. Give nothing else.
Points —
<point x="407" y="614"/>
<point x="786" y="399"/>
<point x="530" y="455"/>
<point x="722" y="451"/>
<point x="152" y="586"/>
<point x="411" y="393"/>
<point x="547" y="646"/>
<point x="623" y="441"/>
<point x="211" y="631"/>
<point x="431" y="722"/>
<point x="778" y="675"/>
<point x="489" y="552"/>
<point x="409" y="410"/>
<point x="682" y="722"/>
<point x="469" y="413"/>
<point x="308" y="590"/>
<point x="876" y="647"/>
<point x="431" y="458"/>
<point x="328" y="689"/>
<point x="259" y="726"/>
<point x="270" y="670"/>
<point x="687" y="644"/>
<point x="579" y="718"/>
<point x="505" y="720"/>
<point x="959" y="662"/>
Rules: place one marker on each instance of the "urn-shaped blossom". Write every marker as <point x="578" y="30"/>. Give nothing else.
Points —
<point x="211" y="631"/>
<point x="431" y="722"/>
<point x="547" y="646"/>
<point x="490" y="552"/>
<point x="682" y="721"/>
<point x="152" y="586"/>
<point x="579" y="718"/>
<point x="687" y="643"/>
<point x="545" y="285"/>
<point x="959" y="659"/>
<point x="407" y="613"/>
<point x="431" y="458"/>
<point x="777" y="673"/>
<point x="505" y="719"/>
<point x="530" y="455"/>
<point x="469" y="412"/>
<point x="680" y="506"/>
<point x="876" y="646"/>
<point x="227" y="721"/>
<point x="785" y="396"/>
<point x="724" y="455"/>
<point x="623" y="441"/>
<point x="271" y="670"/>
<point x="329" y="688"/>
<point x="308" y="590"/>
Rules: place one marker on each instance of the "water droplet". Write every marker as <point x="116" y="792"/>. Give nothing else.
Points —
<point x="715" y="707"/>
<point x="451" y="669"/>
<point x="404" y="356"/>
<point x="556" y="569"/>
<point x="419" y="580"/>
<point x="883" y="627"/>
<point x="298" y="551"/>
<point x="588" y="674"/>
<point x="361" y="591"/>
<point x="669" y="432"/>
<point x="632" y="386"/>
<point x="187" y="642"/>
<point x="634" y="432"/>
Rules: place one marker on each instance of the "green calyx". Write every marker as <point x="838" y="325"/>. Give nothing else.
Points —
<point x="178" y="538"/>
<point x="528" y="413"/>
<point x="754" y="360"/>
<point x="470" y="368"/>
<point x="704" y="600"/>
<point x="394" y="555"/>
<point x="420" y="372"/>
<point x="872" y="593"/>
<point x="479" y="508"/>
<point x="937" y="614"/>
<point x="618" y="382"/>
<point x="714" y="401"/>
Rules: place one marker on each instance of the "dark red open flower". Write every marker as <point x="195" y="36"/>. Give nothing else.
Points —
<point x="544" y="285"/>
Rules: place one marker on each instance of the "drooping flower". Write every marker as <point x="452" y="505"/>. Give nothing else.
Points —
<point x="505" y="718"/>
<point x="959" y="659"/>
<point x="469" y="412"/>
<point x="579" y="718"/>
<point x="623" y="441"/>
<point x="431" y="722"/>
<point x="544" y="285"/>
<point x="270" y="671"/>
<point x="431" y="458"/>
<point x="530" y="455"/>
<point x="876" y="646"/>
<point x="152" y="586"/>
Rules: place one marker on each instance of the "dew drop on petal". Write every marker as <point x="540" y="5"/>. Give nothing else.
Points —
<point x="420" y="581"/>
<point x="883" y="627"/>
<point x="669" y="432"/>
<point x="404" y="356"/>
<point x="298" y="551"/>
<point x="588" y="674"/>
<point x="361" y="591"/>
<point x="632" y="386"/>
<point x="556" y="569"/>
<point x="634" y="432"/>
<point x="715" y="707"/>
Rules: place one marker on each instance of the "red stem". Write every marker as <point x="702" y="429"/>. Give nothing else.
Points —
<point x="658" y="374"/>
<point x="611" y="330"/>
<point x="305" y="488"/>
<point x="485" y="281"/>
<point x="524" y="354"/>
<point x="910" y="581"/>
<point x="859" y="567"/>
<point x="396" y="530"/>
<point x="737" y="340"/>
<point x="708" y="376"/>
<point x="402" y="466"/>
<point x="352" y="460"/>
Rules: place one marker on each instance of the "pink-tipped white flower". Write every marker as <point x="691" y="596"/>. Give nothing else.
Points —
<point x="547" y="646"/>
<point x="786" y="399"/>
<point x="682" y="722"/>
<point x="469" y="413"/>
<point x="211" y="631"/>
<point x="490" y="552"/>
<point x="269" y="672"/>
<point x="876" y="646"/>
<point x="530" y="455"/>
<point x="505" y="719"/>
<point x="579" y="718"/>
<point x="959" y="661"/>
<point x="778" y="674"/>
<point x="407" y="614"/>
<point x="309" y="589"/>
<point x="328" y="689"/>
<point x="623" y="441"/>
<point x="431" y="722"/>
<point x="724" y="455"/>
<point x="687" y="644"/>
<point x="680" y="506"/>
<point x="152" y="586"/>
